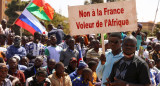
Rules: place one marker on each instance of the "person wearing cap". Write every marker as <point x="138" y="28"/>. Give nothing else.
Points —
<point x="84" y="79"/>
<point x="59" y="77"/>
<point x="138" y="35"/>
<point x="40" y="79"/>
<point x="16" y="48"/>
<point x="13" y="70"/>
<point x="78" y="71"/>
<point x="3" y="74"/>
<point x="72" y="66"/>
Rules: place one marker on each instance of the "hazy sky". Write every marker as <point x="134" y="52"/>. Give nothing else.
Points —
<point x="146" y="9"/>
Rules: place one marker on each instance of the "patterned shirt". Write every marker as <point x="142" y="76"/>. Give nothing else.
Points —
<point x="79" y="81"/>
<point x="93" y="54"/>
<point x="35" y="49"/>
<point x="6" y="82"/>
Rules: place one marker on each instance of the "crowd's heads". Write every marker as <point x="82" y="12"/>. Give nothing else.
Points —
<point x="87" y="74"/>
<point x="59" y="68"/>
<point x="71" y="43"/>
<point x="17" y="57"/>
<point x="2" y="38"/>
<point x="17" y="41"/>
<point x="13" y="63"/>
<point x="92" y="65"/>
<point x="4" y="23"/>
<point x="129" y="45"/>
<point x="50" y="27"/>
<point x="60" y="27"/>
<point x="150" y="63"/>
<point x="24" y="40"/>
<point x="37" y="37"/>
<point x="53" y="40"/>
<point x="41" y="74"/>
<point x="4" y="71"/>
<point x="96" y="44"/>
<point x="51" y="64"/>
<point x="73" y="63"/>
<point x="24" y="61"/>
<point x="38" y="61"/>
<point x="115" y="41"/>
<point x="157" y="47"/>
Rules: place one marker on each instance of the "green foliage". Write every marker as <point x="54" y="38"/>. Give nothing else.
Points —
<point x="12" y="15"/>
<point x="97" y="1"/>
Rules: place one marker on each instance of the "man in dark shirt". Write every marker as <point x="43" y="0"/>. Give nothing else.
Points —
<point x="130" y="70"/>
<point x="32" y="70"/>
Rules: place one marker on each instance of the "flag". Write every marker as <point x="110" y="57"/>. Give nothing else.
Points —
<point x="80" y="53"/>
<point x="41" y="9"/>
<point x="27" y="21"/>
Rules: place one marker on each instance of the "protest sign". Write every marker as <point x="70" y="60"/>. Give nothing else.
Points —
<point x="103" y="18"/>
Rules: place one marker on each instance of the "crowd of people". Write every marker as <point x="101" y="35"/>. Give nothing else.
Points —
<point x="57" y="59"/>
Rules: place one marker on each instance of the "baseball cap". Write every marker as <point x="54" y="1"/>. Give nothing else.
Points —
<point x="73" y="59"/>
<point x="139" y="25"/>
<point x="82" y="64"/>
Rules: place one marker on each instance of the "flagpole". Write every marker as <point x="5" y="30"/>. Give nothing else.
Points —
<point x="155" y="17"/>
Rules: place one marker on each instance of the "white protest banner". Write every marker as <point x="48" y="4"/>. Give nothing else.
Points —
<point x="103" y="18"/>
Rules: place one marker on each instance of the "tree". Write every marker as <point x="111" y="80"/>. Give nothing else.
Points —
<point x="86" y="2"/>
<point x="13" y="7"/>
<point x="96" y="1"/>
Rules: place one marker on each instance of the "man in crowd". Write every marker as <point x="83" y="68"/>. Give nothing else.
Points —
<point x="69" y="52"/>
<point x="72" y="65"/>
<point x="40" y="79"/>
<point x="94" y="52"/>
<point x="57" y="32"/>
<point x="13" y="70"/>
<point x="4" y="28"/>
<point x="32" y="70"/>
<point x="53" y="51"/>
<point x="16" y="48"/>
<point x="78" y="72"/>
<point x="50" y="66"/>
<point x="84" y="79"/>
<point x="130" y="70"/>
<point x="64" y="44"/>
<point x="24" y="41"/>
<point x="4" y="71"/>
<point x="104" y="67"/>
<point x="59" y="77"/>
<point x="35" y="48"/>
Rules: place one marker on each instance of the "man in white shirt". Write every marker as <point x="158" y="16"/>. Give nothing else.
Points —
<point x="53" y="51"/>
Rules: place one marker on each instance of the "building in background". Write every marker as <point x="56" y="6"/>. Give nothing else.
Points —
<point x="2" y="9"/>
<point x="147" y="26"/>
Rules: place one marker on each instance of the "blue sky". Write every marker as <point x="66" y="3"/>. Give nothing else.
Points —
<point x="146" y="9"/>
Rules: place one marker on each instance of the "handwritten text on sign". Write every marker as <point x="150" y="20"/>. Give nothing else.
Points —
<point x="103" y="18"/>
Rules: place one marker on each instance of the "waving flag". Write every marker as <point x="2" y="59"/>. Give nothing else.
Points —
<point x="30" y="23"/>
<point x="41" y="9"/>
<point x="80" y="53"/>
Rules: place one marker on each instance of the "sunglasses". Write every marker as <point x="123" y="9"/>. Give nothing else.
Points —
<point x="115" y="42"/>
